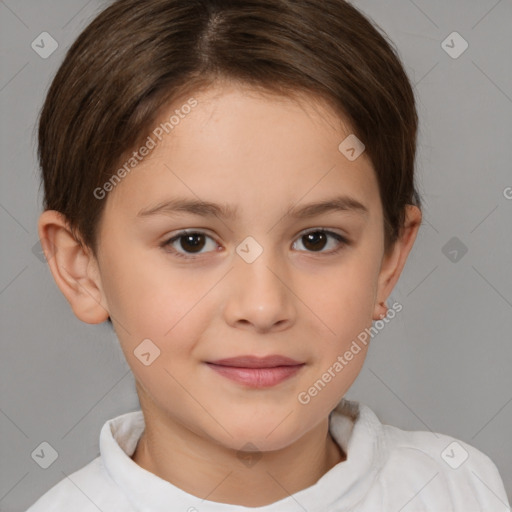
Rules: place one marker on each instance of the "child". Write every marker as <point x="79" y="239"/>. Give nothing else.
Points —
<point x="231" y="184"/>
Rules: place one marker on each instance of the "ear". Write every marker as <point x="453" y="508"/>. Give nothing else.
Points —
<point x="394" y="261"/>
<point x="73" y="267"/>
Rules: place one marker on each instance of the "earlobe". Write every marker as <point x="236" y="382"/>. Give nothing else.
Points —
<point x="394" y="262"/>
<point x="73" y="267"/>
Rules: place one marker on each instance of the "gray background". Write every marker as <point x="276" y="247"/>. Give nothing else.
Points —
<point x="443" y="364"/>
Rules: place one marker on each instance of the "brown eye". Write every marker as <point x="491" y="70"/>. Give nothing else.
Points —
<point x="315" y="241"/>
<point x="193" y="242"/>
<point x="318" y="239"/>
<point x="188" y="244"/>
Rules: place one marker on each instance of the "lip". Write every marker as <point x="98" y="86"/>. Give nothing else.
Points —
<point x="256" y="362"/>
<point x="257" y="372"/>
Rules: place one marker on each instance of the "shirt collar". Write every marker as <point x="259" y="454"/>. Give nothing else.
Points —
<point x="352" y="425"/>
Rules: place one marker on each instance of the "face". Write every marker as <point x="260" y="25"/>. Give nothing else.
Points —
<point x="266" y="280"/>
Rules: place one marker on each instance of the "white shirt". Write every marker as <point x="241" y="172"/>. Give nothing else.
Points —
<point x="386" y="469"/>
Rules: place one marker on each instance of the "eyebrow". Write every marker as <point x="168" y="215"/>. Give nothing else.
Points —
<point x="226" y="211"/>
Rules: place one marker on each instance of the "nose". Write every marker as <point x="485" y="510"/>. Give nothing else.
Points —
<point x="260" y="294"/>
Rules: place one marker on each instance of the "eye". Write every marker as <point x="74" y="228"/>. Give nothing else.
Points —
<point x="192" y="242"/>
<point x="316" y="240"/>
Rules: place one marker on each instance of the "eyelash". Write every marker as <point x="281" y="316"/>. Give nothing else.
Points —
<point x="342" y="242"/>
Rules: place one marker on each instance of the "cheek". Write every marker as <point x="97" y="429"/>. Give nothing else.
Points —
<point x="149" y="299"/>
<point x="159" y="312"/>
<point x="344" y="298"/>
<point x="345" y="304"/>
<point x="346" y="307"/>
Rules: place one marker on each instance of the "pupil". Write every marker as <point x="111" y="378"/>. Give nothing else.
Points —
<point x="314" y="237"/>
<point x="189" y="239"/>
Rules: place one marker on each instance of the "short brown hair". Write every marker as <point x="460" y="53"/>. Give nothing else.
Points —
<point x="136" y="57"/>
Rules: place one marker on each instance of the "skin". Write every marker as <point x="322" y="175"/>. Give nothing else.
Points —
<point x="261" y="153"/>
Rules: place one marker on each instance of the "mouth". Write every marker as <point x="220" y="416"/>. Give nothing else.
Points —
<point x="257" y="372"/>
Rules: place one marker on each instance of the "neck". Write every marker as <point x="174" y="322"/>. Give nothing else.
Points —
<point x="197" y="465"/>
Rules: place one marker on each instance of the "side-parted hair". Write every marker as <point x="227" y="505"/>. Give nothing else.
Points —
<point x="137" y="57"/>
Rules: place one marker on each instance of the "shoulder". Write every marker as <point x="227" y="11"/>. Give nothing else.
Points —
<point x="441" y="469"/>
<point x="85" y="490"/>
<point x="95" y="486"/>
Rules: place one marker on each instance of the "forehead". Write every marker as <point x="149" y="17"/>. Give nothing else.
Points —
<point x="252" y="110"/>
<point x="239" y="143"/>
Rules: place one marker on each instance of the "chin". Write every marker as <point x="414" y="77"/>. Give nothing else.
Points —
<point x="262" y="437"/>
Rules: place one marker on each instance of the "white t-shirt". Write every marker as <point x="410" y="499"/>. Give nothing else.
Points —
<point x="386" y="469"/>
